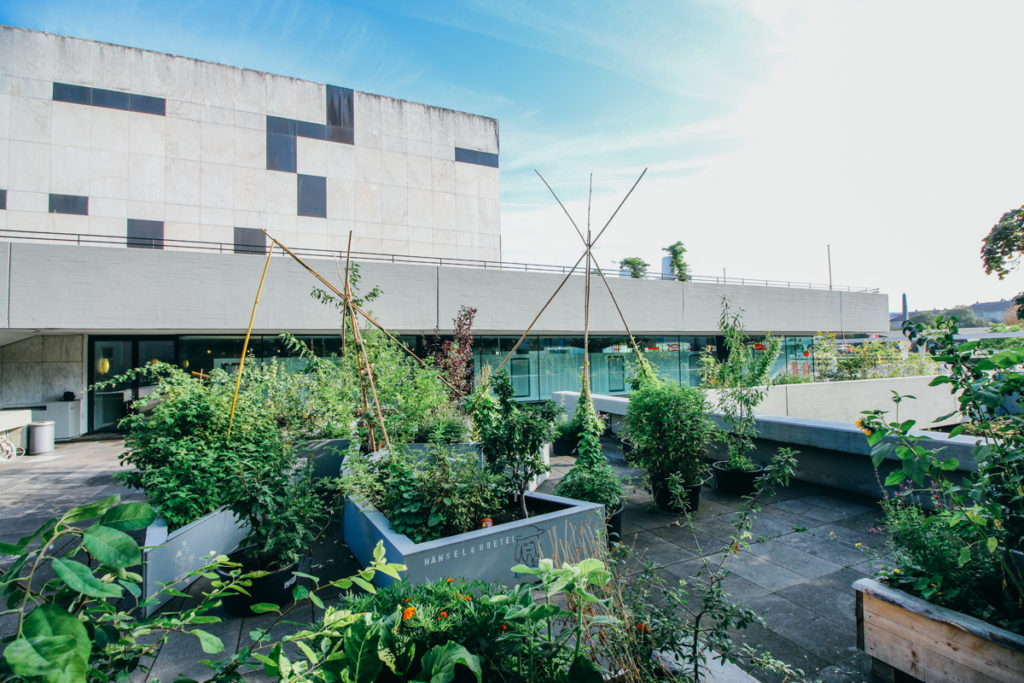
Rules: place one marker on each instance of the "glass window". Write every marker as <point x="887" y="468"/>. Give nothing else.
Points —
<point x="145" y="234"/>
<point x="339" y="107"/>
<point x="3" y="199"/>
<point x="312" y="193"/>
<point x="250" y="241"/>
<point x="281" y="154"/>
<point x="69" y="203"/>
<point x="111" y="99"/>
<point x="560" y="364"/>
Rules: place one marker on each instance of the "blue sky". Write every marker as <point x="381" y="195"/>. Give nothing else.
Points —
<point x="890" y="130"/>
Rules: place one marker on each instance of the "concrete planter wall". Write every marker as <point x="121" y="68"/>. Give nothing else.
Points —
<point x="327" y="456"/>
<point x="570" y="532"/>
<point x="931" y="643"/>
<point x="184" y="550"/>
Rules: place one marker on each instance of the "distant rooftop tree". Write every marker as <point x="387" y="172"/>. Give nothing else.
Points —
<point x="677" y="264"/>
<point x="1003" y="248"/>
<point x="636" y="266"/>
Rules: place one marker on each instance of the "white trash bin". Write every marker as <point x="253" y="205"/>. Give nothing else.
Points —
<point x="40" y="437"/>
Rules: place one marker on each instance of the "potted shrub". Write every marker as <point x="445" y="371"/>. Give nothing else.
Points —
<point x="954" y="573"/>
<point x="741" y="381"/>
<point x="592" y="479"/>
<point x="285" y="513"/>
<point x="670" y="430"/>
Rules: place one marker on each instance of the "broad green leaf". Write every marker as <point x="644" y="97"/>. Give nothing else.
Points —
<point x="50" y="620"/>
<point x="129" y="516"/>
<point x="361" y="650"/>
<point x="80" y="579"/>
<point x="950" y="464"/>
<point x="111" y="547"/>
<point x="895" y="477"/>
<point x="210" y="643"/>
<point x="584" y="671"/>
<point x="993" y="543"/>
<point x="264" y="607"/>
<point x="438" y="664"/>
<point x="90" y="511"/>
<point x="965" y="556"/>
<point x="299" y="593"/>
<point x="53" y="659"/>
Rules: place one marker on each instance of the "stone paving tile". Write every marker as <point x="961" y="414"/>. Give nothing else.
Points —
<point x="765" y="640"/>
<point x="804" y="564"/>
<point x="838" y="503"/>
<point x="825" y="544"/>
<point x="798" y="507"/>
<point x="822" y="637"/>
<point x="829" y="596"/>
<point x="763" y="572"/>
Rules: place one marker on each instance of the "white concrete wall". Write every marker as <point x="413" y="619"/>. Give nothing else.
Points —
<point x="41" y="368"/>
<point x="202" y="169"/>
<point x="94" y="289"/>
<point x="832" y="401"/>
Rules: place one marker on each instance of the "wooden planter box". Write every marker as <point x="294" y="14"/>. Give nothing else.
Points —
<point x="931" y="643"/>
<point x="184" y="550"/>
<point x="570" y="532"/>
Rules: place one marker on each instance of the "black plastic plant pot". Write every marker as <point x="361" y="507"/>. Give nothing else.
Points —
<point x="275" y="587"/>
<point x="563" y="445"/>
<point x="663" y="496"/>
<point x="614" y="525"/>
<point x="735" y="482"/>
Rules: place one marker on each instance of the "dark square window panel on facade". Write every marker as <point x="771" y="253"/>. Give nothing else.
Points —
<point x="312" y="191"/>
<point x="3" y="199"/>
<point x="281" y="155"/>
<point x="339" y="107"/>
<point x="69" y="203"/>
<point x="472" y="156"/>
<point x="145" y="234"/>
<point x="250" y="241"/>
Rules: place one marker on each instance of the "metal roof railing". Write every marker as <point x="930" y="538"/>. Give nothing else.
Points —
<point x="85" y="239"/>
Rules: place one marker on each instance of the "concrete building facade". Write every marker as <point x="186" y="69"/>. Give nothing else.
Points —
<point x="135" y="186"/>
<point x="159" y="151"/>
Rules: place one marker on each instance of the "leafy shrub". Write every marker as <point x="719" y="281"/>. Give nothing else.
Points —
<point x="512" y="434"/>
<point x="669" y="427"/>
<point x="981" y="518"/>
<point x="443" y="494"/>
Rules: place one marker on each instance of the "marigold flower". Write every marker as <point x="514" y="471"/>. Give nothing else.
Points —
<point x="407" y="601"/>
<point x="503" y="627"/>
<point x="468" y="598"/>
<point x="444" y="615"/>
<point x="450" y="580"/>
<point x="643" y="628"/>
<point x="409" y="611"/>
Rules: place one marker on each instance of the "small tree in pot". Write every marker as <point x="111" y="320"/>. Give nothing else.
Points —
<point x="741" y="380"/>
<point x="670" y="430"/>
<point x="512" y="435"/>
<point x="592" y="479"/>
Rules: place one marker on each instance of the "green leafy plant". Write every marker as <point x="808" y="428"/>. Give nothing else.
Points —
<point x="985" y="511"/>
<point x="591" y="478"/>
<point x="511" y="436"/>
<point x="444" y="493"/>
<point x="741" y="381"/>
<point x="677" y="262"/>
<point x="636" y="266"/>
<point x="669" y="428"/>
<point x="76" y="603"/>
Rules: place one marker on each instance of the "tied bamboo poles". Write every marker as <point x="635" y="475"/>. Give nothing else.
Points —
<point x="588" y="243"/>
<point x="245" y="345"/>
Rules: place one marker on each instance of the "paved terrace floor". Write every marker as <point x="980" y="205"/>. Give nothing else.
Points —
<point x="810" y="544"/>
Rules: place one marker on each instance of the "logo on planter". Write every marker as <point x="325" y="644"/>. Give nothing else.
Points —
<point x="528" y="546"/>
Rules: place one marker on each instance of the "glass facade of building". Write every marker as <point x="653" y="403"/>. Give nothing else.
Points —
<point x="540" y="365"/>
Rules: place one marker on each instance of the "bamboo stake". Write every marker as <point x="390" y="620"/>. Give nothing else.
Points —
<point x="357" y="308"/>
<point x="245" y="345"/>
<point x="585" y="380"/>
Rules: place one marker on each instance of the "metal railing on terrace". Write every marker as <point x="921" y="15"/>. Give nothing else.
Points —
<point x="230" y="248"/>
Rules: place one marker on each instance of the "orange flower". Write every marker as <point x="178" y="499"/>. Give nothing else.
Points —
<point x="409" y="611"/>
<point x="643" y="628"/>
<point x="407" y="601"/>
<point x="450" y="580"/>
<point x="468" y="598"/>
<point x="444" y="615"/>
<point x="503" y="627"/>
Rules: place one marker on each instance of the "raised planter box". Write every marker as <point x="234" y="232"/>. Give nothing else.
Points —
<point x="327" y="456"/>
<point x="571" y="531"/>
<point x="421" y="450"/>
<point x="184" y="550"/>
<point x="931" y="643"/>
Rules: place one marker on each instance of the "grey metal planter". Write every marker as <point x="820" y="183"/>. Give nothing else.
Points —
<point x="184" y="550"/>
<point x="571" y="532"/>
<point x="422" y="449"/>
<point x="327" y="456"/>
